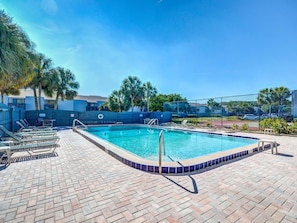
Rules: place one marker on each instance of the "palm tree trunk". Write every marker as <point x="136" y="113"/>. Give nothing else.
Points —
<point x="39" y="96"/>
<point x="280" y="107"/>
<point x="132" y="104"/>
<point x="56" y="102"/>
<point x="35" y="99"/>
<point x="148" y="105"/>
<point x="2" y="97"/>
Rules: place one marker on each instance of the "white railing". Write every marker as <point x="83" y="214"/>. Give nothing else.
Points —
<point x="153" y="121"/>
<point x="161" y="146"/>
<point x="77" y="121"/>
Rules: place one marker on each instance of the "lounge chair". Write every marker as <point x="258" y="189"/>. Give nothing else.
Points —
<point x="24" y="127"/>
<point x="9" y="134"/>
<point x="36" y="132"/>
<point x="26" y="122"/>
<point x="35" y="146"/>
<point x="28" y="136"/>
<point x="4" y="150"/>
<point x="31" y="131"/>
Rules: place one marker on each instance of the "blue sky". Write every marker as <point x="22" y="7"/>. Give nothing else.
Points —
<point x="197" y="48"/>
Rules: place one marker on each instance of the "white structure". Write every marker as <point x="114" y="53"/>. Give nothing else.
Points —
<point x="80" y="103"/>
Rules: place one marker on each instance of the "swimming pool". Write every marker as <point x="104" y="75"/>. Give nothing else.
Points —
<point x="171" y="164"/>
<point x="179" y="145"/>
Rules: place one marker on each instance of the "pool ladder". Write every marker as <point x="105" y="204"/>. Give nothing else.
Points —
<point x="161" y="147"/>
<point x="75" y="121"/>
<point x="153" y="121"/>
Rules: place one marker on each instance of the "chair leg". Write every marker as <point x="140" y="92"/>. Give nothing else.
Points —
<point x="8" y="155"/>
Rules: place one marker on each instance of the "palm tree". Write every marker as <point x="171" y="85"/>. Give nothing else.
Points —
<point x="279" y="95"/>
<point x="42" y="67"/>
<point x="148" y="92"/>
<point x="15" y="56"/>
<point x="274" y="96"/>
<point x="12" y="84"/>
<point x="62" y="84"/>
<point x="11" y="47"/>
<point x="264" y="98"/>
<point x="131" y="88"/>
<point x="116" y="101"/>
<point x="213" y="104"/>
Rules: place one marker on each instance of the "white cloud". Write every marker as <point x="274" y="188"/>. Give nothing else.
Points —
<point x="49" y="6"/>
<point x="49" y="27"/>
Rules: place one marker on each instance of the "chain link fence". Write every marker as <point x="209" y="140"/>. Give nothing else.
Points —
<point x="235" y="112"/>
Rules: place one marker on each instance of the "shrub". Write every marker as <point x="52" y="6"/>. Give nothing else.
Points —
<point x="279" y="126"/>
<point x="245" y="127"/>
<point x="266" y="123"/>
<point x="208" y="124"/>
<point x="293" y="128"/>
<point x="234" y="126"/>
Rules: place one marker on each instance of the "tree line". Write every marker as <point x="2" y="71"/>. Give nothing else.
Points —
<point x="133" y="93"/>
<point x="21" y="66"/>
<point x="267" y="101"/>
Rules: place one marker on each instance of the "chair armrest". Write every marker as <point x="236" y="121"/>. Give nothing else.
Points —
<point x="7" y="142"/>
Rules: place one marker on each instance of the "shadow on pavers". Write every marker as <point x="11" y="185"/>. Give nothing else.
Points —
<point x="195" y="188"/>
<point x="284" y="154"/>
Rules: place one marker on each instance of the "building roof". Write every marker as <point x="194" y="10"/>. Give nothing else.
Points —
<point x="90" y="98"/>
<point x="29" y="92"/>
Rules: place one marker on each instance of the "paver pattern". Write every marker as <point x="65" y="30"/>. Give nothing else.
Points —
<point x="82" y="183"/>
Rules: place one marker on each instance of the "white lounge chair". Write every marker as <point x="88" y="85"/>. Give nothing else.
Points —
<point x="35" y="146"/>
<point x="24" y="127"/>
<point x="21" y="136"/>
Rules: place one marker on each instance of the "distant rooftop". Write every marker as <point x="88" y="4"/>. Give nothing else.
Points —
<point x="29" y="92"/>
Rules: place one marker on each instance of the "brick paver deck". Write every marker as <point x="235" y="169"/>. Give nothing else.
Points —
<point x="84" y="184"/>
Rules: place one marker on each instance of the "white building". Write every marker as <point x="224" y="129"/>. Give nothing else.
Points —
<point x="80" y="103"/>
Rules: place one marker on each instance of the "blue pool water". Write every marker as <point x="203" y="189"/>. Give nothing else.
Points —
<point x="179" y="145"/>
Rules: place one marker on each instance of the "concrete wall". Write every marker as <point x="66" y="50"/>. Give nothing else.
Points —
<point x="5" y="117"/>
<point x="65" y="118"/>
<point x="30" y="103"/>
<point x="79" y="105"/>
<point x="9" y="116"/>
<point x="72" y="105"/>
<point x="66" y="105"/>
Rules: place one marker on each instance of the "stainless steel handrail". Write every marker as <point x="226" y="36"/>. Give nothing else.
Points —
<point x="76" y="120"/>
<point x="161" y="146"/>
<point x="153" y="121"/>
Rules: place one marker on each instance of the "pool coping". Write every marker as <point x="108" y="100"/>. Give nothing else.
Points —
<point x="180" y="167"/>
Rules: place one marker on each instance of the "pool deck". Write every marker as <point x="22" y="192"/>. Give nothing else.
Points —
<point x="82" y="183"/>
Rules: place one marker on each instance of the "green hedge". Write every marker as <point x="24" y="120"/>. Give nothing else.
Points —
<point x="279" y="125"/>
